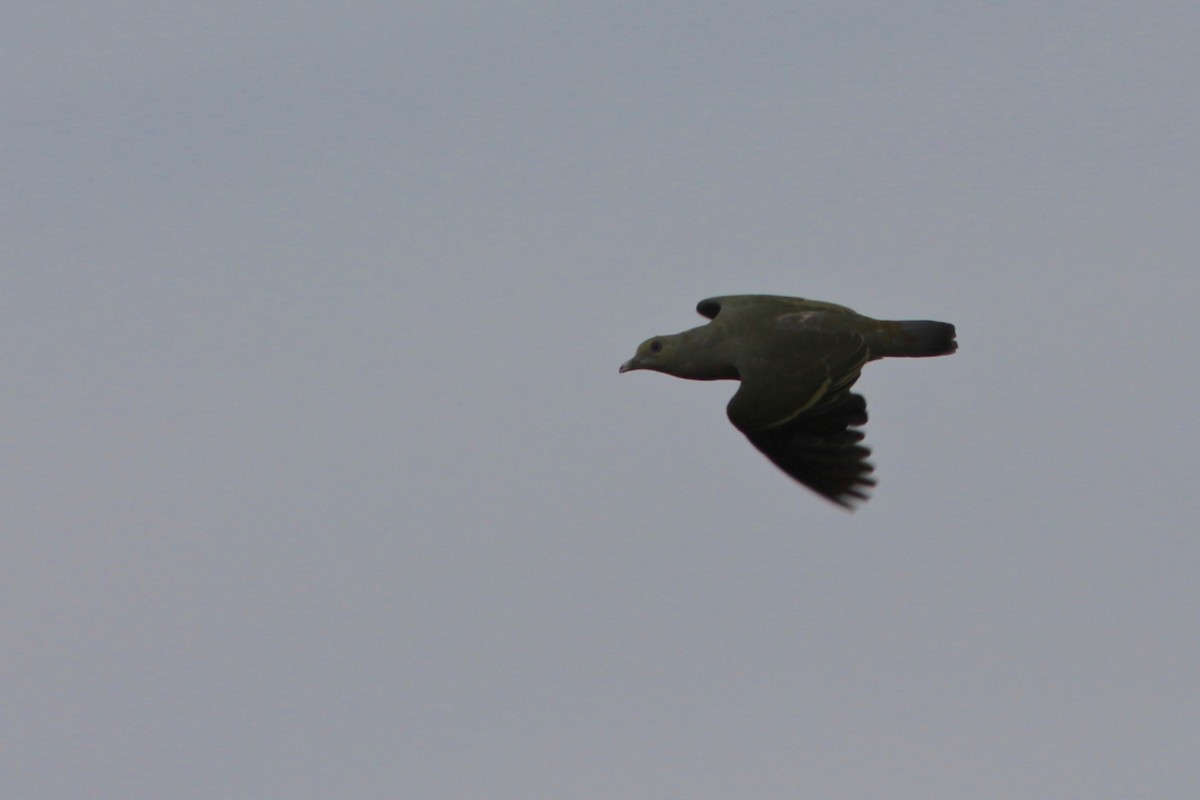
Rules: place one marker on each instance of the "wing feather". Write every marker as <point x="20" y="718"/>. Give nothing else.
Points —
<point x="800" y="413"/>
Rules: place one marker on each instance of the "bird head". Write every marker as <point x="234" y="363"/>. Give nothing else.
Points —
<point x="655" y="354"/>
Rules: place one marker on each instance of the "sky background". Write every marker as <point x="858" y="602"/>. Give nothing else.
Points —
<point x="318" y="478"/>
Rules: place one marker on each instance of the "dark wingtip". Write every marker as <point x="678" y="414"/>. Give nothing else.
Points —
<point x="851" y="499"/>
<point x="824" y="452"/>
<point x="709" y="308"/>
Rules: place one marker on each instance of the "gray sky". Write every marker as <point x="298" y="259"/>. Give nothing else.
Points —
<point x="319" y="479"/>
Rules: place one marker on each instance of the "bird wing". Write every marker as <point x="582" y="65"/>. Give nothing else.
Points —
<point x="762" y="304"/>
<point x="795" y="405"/>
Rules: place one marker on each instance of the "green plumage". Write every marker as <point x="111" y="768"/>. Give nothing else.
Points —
<point x="796" y="360"/>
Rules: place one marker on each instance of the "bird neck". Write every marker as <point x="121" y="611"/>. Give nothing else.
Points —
<point x="706" y="359"/>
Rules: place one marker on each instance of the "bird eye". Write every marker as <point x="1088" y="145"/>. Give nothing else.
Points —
<point x="655" y="346"/>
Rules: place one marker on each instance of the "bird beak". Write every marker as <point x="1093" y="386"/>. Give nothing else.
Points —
<point x="628" y="365"/>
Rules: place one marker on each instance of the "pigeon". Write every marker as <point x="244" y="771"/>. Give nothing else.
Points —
<point x="796" y="360"/>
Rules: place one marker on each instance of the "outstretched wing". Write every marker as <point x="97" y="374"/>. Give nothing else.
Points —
<point x="823" y="451"/>
<point x="795" y="406"/>
<point x="760" y="305"/>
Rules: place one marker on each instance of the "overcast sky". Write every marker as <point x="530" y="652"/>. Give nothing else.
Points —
<point x="319" y="480"/>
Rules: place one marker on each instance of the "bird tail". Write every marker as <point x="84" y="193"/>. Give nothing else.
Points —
<point x="913" y="339"/>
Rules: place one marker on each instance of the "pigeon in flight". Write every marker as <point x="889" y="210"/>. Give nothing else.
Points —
<point x="796" y="360"/>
